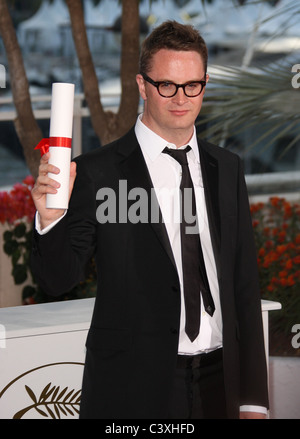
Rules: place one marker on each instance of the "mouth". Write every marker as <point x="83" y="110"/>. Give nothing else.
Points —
<point x="178" y="112"/>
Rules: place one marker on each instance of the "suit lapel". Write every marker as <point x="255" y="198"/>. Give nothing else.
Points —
<point x="133" y="167"/>
<point x="210" y="175"/>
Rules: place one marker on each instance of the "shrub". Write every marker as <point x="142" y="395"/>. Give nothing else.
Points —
<point x="277" y="234"/>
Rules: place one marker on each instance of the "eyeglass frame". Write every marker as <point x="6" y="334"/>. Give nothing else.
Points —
<point x="158" y="83"/>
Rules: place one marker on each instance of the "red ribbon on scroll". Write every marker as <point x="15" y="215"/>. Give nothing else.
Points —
<point x="45" y="144"/>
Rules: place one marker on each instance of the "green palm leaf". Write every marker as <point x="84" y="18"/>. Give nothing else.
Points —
<point x="245" y="98"/>
<point x="237" y="99"/>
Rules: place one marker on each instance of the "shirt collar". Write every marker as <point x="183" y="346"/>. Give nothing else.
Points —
<point x="152" y="144"/>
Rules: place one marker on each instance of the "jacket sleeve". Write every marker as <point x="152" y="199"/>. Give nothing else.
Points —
<point x="254" y="384"/>
<point x="59" y="258"/>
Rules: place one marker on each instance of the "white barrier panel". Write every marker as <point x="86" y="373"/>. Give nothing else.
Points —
<point x="42" y="353"/>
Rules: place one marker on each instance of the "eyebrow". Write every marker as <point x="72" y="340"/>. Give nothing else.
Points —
<point x="181" y="83"/>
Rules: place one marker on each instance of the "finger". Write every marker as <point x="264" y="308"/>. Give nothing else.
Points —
<point x="72" y="172"/>
<point x="41" y="190"/>
<point x="44" y="185"/>
<point x="43" y="162"/>
<point x="45" y="158"/>
<point x="45" y="168"/>
<point x="43" y="180"/>
<point x="73" y="167"/>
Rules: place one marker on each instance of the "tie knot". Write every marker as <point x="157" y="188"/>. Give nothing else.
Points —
<point x="178" y="154"/>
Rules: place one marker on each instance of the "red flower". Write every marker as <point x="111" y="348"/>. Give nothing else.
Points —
<point x="296" y="259"/>
<point x="281" y="236"/>
<point x="275" y="201"/>
<point x="17" y="204"/>
<point x="291" y="280"/>
<point x="281" y="249"/>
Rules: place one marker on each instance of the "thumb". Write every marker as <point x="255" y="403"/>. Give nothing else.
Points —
<point x="72" y="177"/>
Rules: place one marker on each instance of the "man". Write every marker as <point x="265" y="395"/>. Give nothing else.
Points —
<point x="142" y="361"/>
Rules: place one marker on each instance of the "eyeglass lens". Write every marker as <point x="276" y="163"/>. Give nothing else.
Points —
<point x="169" y="89"/>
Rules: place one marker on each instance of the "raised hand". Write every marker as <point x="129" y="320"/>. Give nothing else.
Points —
<point x="45" y="185"/>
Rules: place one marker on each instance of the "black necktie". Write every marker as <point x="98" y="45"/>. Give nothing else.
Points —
<point x="194" y="272"/>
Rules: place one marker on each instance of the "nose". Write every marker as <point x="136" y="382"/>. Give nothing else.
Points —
<point x="180" y="98"/>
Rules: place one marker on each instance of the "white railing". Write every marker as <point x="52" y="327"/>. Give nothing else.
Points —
<point x="281" y="182"/>
<point x="285" y="184"/>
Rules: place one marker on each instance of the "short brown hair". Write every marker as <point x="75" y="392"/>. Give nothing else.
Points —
<point x="172" y="35"/>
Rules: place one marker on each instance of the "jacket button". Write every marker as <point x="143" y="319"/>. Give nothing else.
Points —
<point x="173" y="331"/>
<point x="175" y="289"/>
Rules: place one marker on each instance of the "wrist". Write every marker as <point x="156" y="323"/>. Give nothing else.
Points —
<point x="44" y="225"/>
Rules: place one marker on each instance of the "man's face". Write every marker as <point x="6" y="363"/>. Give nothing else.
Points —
<point x="172" y="118"/>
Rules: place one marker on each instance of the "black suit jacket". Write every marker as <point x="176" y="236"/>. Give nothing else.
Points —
<point x="133" y="340"/>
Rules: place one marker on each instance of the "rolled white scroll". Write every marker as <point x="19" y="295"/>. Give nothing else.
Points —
<point x="61" y="125"/>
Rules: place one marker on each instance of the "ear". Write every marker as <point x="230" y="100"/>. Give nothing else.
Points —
<point x="206" y="79"/>
<point x="141" y="85"/>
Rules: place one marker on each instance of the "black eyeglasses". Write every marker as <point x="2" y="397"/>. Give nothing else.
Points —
<point x="169" y="89"/>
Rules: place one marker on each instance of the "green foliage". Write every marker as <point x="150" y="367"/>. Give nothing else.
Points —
<point x="17" y="246"/>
